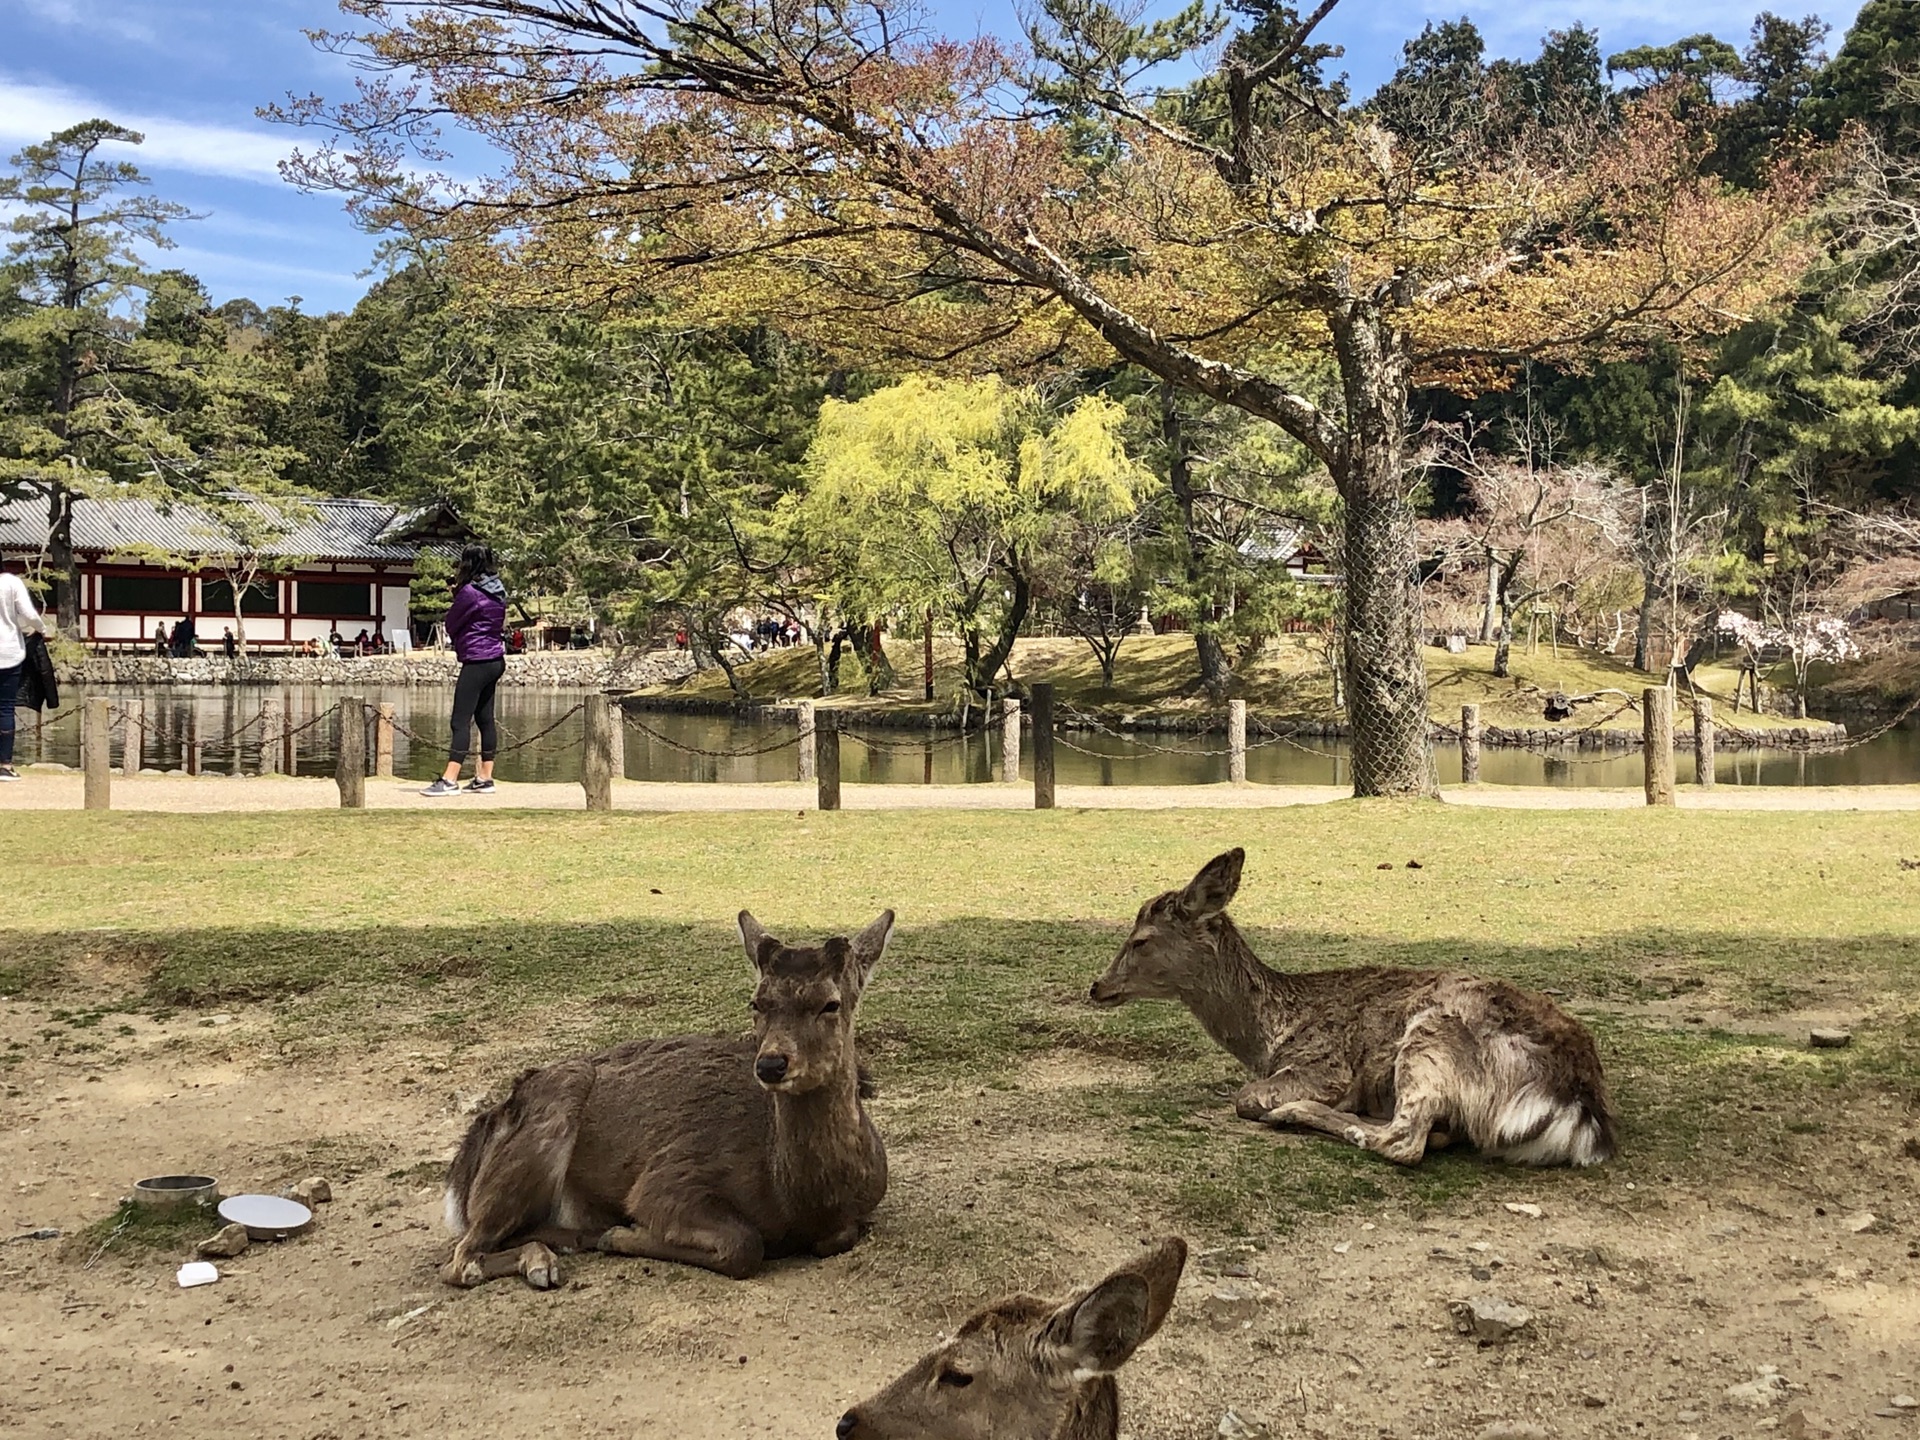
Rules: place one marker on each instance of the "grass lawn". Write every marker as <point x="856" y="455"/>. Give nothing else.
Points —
<point x="1158" y="674"/>
<point x="1696" y="944"/>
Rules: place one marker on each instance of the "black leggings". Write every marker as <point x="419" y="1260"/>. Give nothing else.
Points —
<point x="473" y="703"/>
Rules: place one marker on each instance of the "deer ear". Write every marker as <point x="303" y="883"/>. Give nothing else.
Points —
<point x="1096" y="1333"/>
<point x="759" y="944"/>
<point x="1213" y="889"/>
<point x="871" y="943"/>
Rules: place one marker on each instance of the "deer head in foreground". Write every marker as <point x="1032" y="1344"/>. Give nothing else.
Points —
<point x="1030" y="1369"/>
<point x="803" y="1006"/>
<point x="1172" y="934"/>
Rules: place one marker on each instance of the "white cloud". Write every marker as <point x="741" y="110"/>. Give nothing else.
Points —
<point x="95" y="15"/>
<point x="30" y="113"/>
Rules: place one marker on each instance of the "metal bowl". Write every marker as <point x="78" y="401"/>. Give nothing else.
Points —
<point x="172" y="1192"/>
<point x="267" y="1217"/>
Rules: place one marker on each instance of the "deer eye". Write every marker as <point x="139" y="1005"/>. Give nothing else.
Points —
<point x="832" y="1007"/>
<point x="958" y="1379"/>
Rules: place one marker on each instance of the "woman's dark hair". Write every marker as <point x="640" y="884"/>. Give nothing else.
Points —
<point x="475" y="560"/>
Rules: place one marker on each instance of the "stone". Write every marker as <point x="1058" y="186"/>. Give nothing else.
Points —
<point x="1689" y="1417"/>
<point x="1235" y="1426"/>
<point x="1804" y="1425"/>
<point x="1513" y="1430"/>
<point x="1861" y="1223"/>
<point x="1769" y="1387"/>
<point x="407" y="1317"/>
<point x="1594" y="1402"/>
<point x="1910" y="1147"/>
<point x="1904" y="1402"/>
<point x="1522" y="1207"/>
<point x="1231" y="1306"/>
<point x="231" y="1240"/>
<point x="312" y="1191"/>
<point x="1825" y="1039"/>
<point x="1490" y="1319"/>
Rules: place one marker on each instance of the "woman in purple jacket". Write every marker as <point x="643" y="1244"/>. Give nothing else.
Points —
<point x="476" y="625"/>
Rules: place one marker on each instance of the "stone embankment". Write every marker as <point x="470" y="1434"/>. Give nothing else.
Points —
<point x="607" y="669"/>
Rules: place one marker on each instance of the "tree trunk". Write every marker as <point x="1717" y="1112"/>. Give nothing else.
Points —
<point x="1643" y="630"/>
<point x="1503" y="646"/>
<point x="1214" y="672"/>
<point x="66" y="581"/>
<point x="1386" y="675"/>
<point x="1490" y="616"/>
<point x="984" y="669"/>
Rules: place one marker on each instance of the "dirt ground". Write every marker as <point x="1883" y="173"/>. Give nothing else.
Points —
<point x="1650" y="1300"/>
<point x="57" y="788"/>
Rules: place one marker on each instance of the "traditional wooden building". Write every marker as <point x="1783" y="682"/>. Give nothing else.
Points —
<point x="332" y="567"/>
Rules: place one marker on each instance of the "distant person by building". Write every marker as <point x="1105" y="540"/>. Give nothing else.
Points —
<point x="18" y="619"/>
<point x="476" y="626"/>
<point x="160" y="641"/>
<point x="360" y="642"/>
<point x="183" y="638"/>
<point x="228" y="643"/>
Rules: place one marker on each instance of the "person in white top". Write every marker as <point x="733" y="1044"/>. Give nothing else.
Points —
<point x="18" y="618"/>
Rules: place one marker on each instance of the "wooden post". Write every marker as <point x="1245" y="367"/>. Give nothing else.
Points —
<point x="273" y="724"/>
<point x="96" y="754"/>
<point x="133" y="729"/>
<point x="1470" y="744"/>
<point x="383" y="742"/>
<point x="1703" y="742"/>
<point x="1042" y="746"/>
<point x="190" y="745"/>
<point x="803" y="717"/>
<point x="1656" y="705"/>
<point x="827" y="758"/>
<point x="350" y="765"/>
<point x="596" y="759"/>
<point x="1237" y="741"/>
<point x="1010" y="741"/>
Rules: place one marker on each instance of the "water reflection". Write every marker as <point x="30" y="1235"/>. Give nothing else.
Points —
<point x="224" y="722"/>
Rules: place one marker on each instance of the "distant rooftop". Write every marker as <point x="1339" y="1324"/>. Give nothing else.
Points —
<point x="316" y="529"/>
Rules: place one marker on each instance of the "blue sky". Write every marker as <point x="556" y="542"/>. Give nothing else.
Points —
<point x="189" y="73"/>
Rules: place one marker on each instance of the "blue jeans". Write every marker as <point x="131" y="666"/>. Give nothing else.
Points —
<point x="9" y="692"/>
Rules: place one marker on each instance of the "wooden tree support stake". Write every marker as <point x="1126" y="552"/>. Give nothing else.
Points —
<point x="350" y="764"/>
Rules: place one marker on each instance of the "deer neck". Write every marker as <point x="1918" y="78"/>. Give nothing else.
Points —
<point x="1095" y="1414"/>
<point x="1235" y="998"/>
<point x="820" y="1137"/>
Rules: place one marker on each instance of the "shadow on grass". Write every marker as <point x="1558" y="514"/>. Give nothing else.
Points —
<point x="967" y="1004"/>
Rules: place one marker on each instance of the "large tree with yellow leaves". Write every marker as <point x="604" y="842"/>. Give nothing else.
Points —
<point x="969" y="204"/>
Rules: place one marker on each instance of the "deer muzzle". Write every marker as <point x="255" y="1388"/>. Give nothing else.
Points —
<point x="770" y="1069"/>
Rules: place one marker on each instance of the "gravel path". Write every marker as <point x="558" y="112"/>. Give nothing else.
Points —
<point x="56" y="789"/>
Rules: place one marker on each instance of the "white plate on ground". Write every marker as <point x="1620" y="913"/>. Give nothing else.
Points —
<point x="267" y="1217"/>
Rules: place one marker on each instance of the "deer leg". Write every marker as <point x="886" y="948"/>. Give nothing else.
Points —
<point x="720" y="1242"/>
<point x="839" y="1242"/>
<point x="1259" y="1098"/>
<point x="516" y="1186"/>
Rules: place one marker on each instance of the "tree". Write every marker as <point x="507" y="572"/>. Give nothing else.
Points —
<point x="916" y="197"/>
<point x="70" y="423"/>
<point x="945" y="497"/>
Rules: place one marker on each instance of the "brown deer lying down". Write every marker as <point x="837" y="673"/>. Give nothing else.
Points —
<point x="1395" y="1061"/>
<point x="713" y="1152"/>
<point x="1030" y="1369"/>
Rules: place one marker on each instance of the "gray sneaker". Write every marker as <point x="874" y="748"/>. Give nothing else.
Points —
<point x="477" y="786"/>
<point x="7" y="772"/>
<point x="442" y="786"/>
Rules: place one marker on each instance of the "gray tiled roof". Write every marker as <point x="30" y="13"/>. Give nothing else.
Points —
<point x="320" y="529"/>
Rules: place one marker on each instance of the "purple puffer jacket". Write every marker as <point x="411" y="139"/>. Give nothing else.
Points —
<point x="478" y="620"/>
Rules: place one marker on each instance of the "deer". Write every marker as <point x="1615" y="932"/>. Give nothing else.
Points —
<point x="1024" y="1368"/>
<point x="709" y="1151"/>
<point x="1395" y="1061"/>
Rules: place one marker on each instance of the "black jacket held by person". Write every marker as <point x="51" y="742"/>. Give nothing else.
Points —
<point x="38" y="686"/>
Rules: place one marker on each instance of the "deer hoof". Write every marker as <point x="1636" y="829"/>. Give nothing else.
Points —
<point x="543" y="1274"/>
<point x="1355" y="1135"/>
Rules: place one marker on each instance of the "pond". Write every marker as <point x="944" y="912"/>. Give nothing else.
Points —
<point x="663" y="747"/>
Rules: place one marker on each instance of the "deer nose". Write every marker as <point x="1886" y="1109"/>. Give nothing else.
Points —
<point x="849" y="1423"/>
<point x="771" y="1069"/>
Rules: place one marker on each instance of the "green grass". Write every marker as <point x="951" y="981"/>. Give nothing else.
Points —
<point x="1158" y="674"/>
<point x="556" y="931"/>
